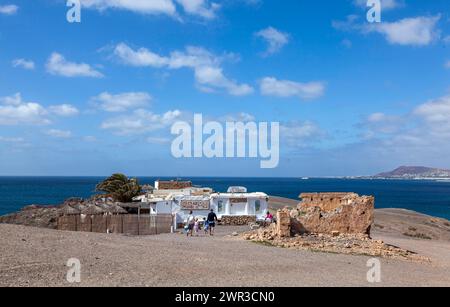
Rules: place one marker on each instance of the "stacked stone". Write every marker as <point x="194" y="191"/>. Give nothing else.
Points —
<point x="237" y="220"/>
<point x="283" y="224"/>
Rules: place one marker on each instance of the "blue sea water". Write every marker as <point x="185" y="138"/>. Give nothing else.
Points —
<point x="429" y="197"/>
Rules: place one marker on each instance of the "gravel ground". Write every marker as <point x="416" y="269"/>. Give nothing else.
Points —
<point x="37" y="257"/>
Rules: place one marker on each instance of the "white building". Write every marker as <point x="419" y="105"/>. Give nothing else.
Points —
<point x="236" y="202"/>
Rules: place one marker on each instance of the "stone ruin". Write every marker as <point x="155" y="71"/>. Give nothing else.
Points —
<point x="329" y="222"/>
<point x="329" y="213"/>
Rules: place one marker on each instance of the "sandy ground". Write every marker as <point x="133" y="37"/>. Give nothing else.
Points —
<point x="37" y="257"/>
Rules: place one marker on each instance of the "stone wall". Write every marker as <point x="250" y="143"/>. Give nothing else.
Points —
<point x="331" y="213"/>
<point x="326" y="201"/>
<point x="174" y="185"/>
<point x="283" y="224"/>
<point x="237" y="220"/>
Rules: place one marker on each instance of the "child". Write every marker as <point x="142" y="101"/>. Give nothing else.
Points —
<point x="206" y="226"/>
<point x="196" y="227"/>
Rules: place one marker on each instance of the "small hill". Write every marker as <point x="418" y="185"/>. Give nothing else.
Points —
<point x="415" y="172"/>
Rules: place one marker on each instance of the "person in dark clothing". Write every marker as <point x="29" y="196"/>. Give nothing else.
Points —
<point x="212" y="219"/>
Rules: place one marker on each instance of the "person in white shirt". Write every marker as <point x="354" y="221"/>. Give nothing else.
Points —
<point x="190" y="224"/>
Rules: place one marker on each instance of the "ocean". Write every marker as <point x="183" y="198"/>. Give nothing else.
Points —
<point x="428" y="197"/>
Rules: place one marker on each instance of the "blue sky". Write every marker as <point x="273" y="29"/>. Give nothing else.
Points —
<point x="98" y="97"/>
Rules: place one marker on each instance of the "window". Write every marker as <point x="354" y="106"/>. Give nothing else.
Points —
<point x="257" y="206"/>
<point x="220" y="208"/>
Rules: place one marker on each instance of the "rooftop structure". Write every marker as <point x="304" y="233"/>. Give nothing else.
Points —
<point x="172" y="185"/>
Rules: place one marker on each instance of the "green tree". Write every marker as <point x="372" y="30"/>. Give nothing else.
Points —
<point x="120" y="187"/>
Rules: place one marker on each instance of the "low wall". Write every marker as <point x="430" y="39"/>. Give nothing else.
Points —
<point x="237" y="220"/>
<point x="283" y="224"/>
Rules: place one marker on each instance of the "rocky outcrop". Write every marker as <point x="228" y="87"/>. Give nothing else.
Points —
<point x="36" y="216"/>
<point x="47" y="216"/>
<point x="333" y="213"/>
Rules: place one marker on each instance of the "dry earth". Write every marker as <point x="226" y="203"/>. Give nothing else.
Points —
<point x="37" y="257"/>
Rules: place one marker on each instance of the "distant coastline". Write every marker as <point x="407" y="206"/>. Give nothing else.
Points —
<point x="426" y="196"/>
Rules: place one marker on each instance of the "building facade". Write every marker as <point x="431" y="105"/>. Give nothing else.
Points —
<point x="180" y="202"/>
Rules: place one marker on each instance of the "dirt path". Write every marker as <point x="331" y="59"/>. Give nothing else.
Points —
<point x="37" y="257"/>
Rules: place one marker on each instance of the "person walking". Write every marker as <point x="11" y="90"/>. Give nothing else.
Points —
<point x="212" y="219"/>
<point x="196" y="227"/>
<point x="190" y="223"/>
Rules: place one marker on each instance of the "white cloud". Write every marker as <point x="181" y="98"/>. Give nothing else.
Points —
<point x="424" y="131"/>
<point x="58" y="65"/>
<point x="9" y="9"/>
<point x="142" y="57"/>
<point x="141" y="121"/>
<point x="206" y="66"/>
<point x="200" y="8"/>
<point x="15" y="111"/>
<point x="13" y="100"/>
<point x="152" y="7"/>
<point x="419" y="31"/>
<point x="435" y="111"/>
<point x="385" y="4"/>
<point x="239" y="117"/>
<point x="379" y="122"/>
<point x="23" y="63"/>
<point x="275" y="39"/>
<point x="60" y="134"/>
<point x="210" y="77"/>
<point x="64" y="110"/>
<point x="300" y="134"/>
<point x="285" y="88"/>
<point x="121" y="102"/>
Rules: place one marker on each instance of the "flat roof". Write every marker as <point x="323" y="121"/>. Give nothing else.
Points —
<point x="240" y="195"/>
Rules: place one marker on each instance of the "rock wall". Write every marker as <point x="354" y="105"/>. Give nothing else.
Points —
<point x="237" y="220"/>
<point x="326" y="201"/>
<point x="283" y="224"/>
<point x="333" y="213"/>
<point x="35" y="216"/>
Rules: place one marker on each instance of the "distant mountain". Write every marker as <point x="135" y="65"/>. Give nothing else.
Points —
<point x="415" y="172"/>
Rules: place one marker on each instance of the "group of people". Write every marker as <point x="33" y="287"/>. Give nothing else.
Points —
<point x="193" y="224"/>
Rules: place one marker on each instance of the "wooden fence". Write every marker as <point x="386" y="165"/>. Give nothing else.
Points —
<point x="130" y="224"/>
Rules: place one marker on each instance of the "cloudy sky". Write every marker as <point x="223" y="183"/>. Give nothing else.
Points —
<point x="100" y="96"/>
